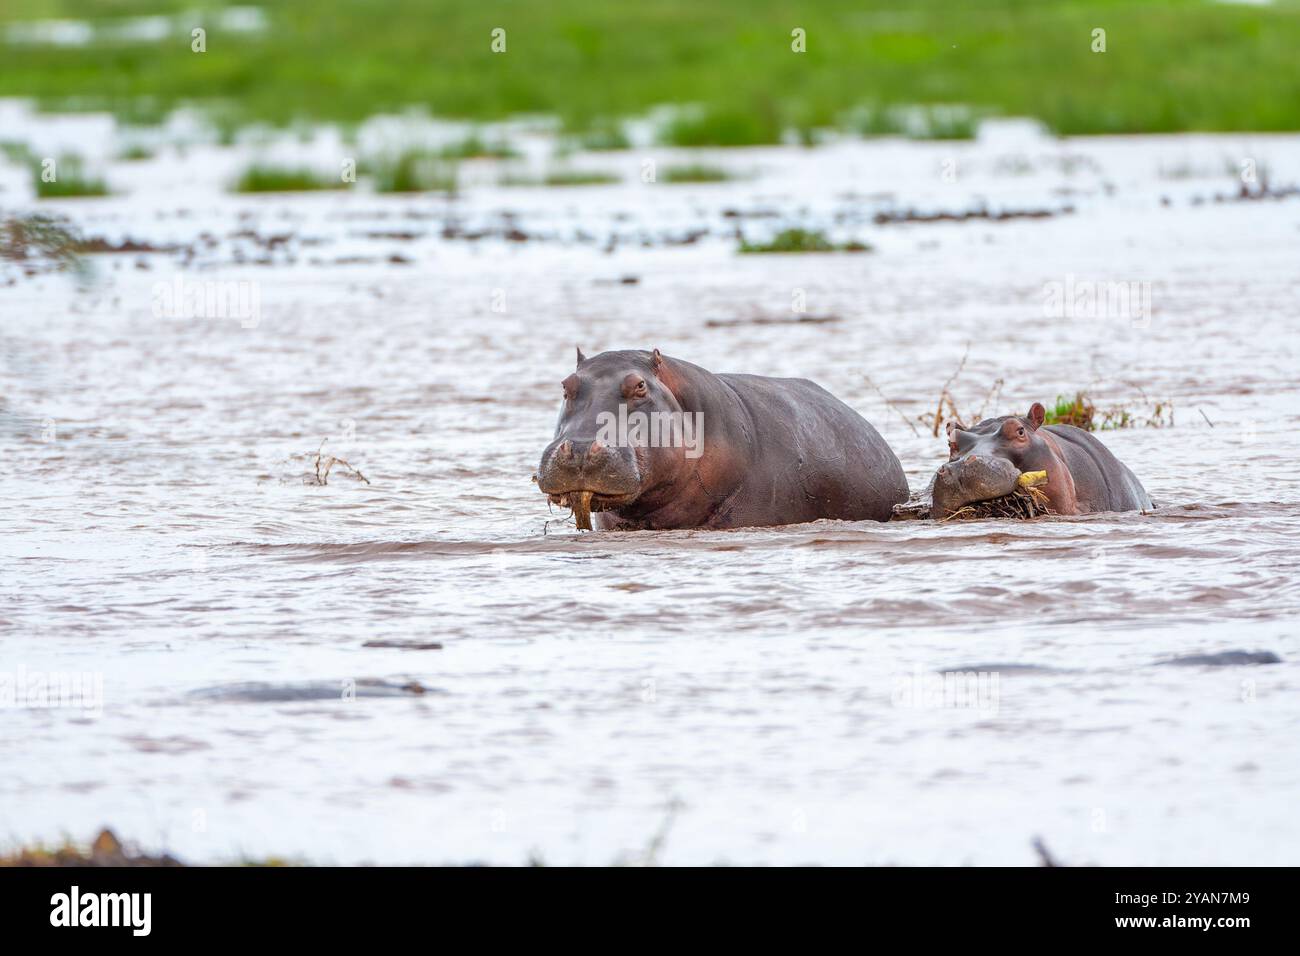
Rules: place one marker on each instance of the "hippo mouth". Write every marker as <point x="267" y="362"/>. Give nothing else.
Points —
<point x="584" y="502"/>
<point x="976" y="479"/>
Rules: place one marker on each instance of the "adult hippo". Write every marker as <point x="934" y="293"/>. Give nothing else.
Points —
<point x="648" y="441"/>
<point x="987" y="460"/>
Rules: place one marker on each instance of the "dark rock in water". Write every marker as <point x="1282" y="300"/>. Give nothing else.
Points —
<point x="406" y="645"/>
<point x="255" y="692"/>
<point x="1006" y="669"/>
<point x="1224" y="659"/>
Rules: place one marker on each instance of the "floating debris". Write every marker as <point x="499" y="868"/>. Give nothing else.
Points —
<point x="1026" y="501"/>
<point x="105" y="850"/>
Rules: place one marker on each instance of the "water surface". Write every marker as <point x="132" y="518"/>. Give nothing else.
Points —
<point x="765" y="695"/>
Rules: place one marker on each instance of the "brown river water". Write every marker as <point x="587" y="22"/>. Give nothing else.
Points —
<point x="755" y="696"/>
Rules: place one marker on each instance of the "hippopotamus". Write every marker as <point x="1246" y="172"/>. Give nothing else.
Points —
<point x="652" y="442"/>
<point x="986" y="462"/>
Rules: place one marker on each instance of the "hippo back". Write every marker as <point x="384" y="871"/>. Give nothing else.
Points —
<point x="1101" y="481"/>
<point x="821" y="459"/>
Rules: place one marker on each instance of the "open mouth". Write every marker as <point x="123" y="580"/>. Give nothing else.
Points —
<point x="583" y="503"/>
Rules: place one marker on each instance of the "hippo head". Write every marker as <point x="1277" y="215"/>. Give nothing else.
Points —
<point x="986" y="461"/>
<point x="600" y="456"/>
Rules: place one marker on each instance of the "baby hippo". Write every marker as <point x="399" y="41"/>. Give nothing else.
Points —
<point x="986" y="461"/>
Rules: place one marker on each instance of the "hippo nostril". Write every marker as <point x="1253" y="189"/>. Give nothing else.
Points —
<point x="565" y="451"/>
<point x="596" y="450"/>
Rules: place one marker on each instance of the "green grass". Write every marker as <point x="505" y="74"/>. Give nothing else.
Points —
<point x="1170" y="65"/>
<point x="802" y="240"/>
<point x="135" y="153"/>
<point x="693" y="173"/>
<point x="578" y="177"/>
<point x="67" y="178"/>
<point x="1077" y="411"/>
<point x="412" y="171"/>
<point x="561" y="177"/>
<point x="16" y="152"/>
<point x="937" y="121"/>
<point x="475" y="146"/>
<point x="603" y="135"/>
<point x="265" y="178"/>
<point x="1081" y="412"/>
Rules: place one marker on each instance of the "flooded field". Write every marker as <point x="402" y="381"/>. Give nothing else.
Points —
<point x="432" y="665"/>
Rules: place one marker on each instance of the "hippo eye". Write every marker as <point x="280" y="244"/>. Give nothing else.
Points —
<point x="640" y="390"/>
<point x="1020" y="432"/>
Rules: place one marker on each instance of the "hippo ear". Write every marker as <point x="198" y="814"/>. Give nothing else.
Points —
<point x="1036" y="414"/>
<point x="581" y="358"/>
<point x="656" y="361"/>
<point x="952" y="428"/>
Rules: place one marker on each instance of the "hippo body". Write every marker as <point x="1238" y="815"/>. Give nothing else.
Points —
<point x="1083" y="476"/>
<point x="769" y="451"/>
<point x="1101" y="481"/>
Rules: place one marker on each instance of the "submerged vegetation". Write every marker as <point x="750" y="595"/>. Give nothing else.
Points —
<point x="1165" y="66"/>
<point x="578" y="177"/>
<point x="475" y="146"/>
<point x="37" y="243"/>
<point x="267" y="178"/>
<point x="106" y="850"/>
<point x="801" y="240"/>
<point x="560" y="177"/>
<point x="694" y="173"/>
<point x="64" y="177"/>
<point x="413" y="171"/>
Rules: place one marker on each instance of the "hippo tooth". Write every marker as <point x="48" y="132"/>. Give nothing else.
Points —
<point x="580" y="502"/>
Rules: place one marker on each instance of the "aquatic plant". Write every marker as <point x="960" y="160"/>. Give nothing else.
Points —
<point x="560" y="177"/>
<point x="474" y="146"/>
<point x="693" y="173"/>
<point x="1077" y="411"/>
<point x="64" y="177"/>
<point x="38" y="243"/>
<point x="267" y="178"/>
<point x="578" y="177"/>
<point x="801" y="240"/>
<point x="413" y="171"/>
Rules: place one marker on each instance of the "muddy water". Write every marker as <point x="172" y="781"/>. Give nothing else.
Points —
<point x="270" y="684"/>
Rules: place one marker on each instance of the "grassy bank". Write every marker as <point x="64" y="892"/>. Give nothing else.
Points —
<point x="1173" y="65"/>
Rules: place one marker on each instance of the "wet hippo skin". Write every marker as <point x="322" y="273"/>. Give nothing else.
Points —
<point x="1082" y="474"/>
<point x="770" y="451"/>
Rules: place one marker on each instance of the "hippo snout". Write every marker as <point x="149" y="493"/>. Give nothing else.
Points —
<point x="970" y="479"/>
<point x="575" y="465"/>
